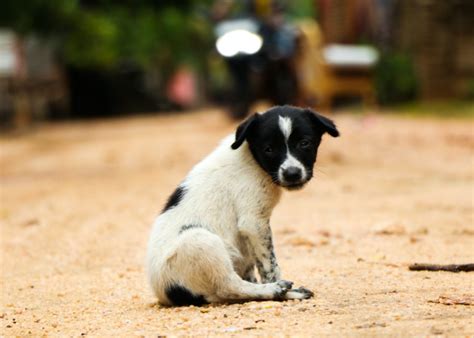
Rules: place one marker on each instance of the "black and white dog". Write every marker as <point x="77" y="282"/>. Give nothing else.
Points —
<point x="214" y="231"/>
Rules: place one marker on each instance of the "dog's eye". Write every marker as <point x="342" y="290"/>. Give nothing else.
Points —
<point x="304" y="144"/>
<point x="268" y="150"/>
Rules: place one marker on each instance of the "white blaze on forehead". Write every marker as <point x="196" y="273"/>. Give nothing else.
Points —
<point x="285" y="126"/>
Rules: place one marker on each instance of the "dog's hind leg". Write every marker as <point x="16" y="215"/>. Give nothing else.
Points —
<point x="203" y="268"/>
<point x="237" y="289"/>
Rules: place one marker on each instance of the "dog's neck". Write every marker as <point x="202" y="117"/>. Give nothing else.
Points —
<point x="243" y="158"/>
<point x="238" y="167"/>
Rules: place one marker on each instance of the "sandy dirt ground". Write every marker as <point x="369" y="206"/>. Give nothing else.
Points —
<point x="78" y="200"/>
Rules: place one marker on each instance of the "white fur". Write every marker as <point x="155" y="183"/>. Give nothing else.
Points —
<point x="232" y="198"/>
<point x="285" y="125"/>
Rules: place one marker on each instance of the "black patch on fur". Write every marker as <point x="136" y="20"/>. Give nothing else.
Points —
<point x="174" y="199"/>
<point x="189" y="226"/>
<point x="243" y="130"/>
<point x="180" y="296"/>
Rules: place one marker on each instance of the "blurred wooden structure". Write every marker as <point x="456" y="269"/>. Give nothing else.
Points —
<point x="321" y="81"/>
<point x="437" y="34"/>
<point x="440" y="37"/>
<point x="31" y="84"/>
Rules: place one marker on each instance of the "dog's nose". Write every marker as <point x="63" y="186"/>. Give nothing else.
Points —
<point x="292" y="174"/>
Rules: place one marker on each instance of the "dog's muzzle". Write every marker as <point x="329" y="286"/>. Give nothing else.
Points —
<point x="292" y="178"/>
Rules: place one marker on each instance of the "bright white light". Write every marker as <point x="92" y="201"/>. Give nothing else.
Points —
<point x="350" y="55"/>
<point x="238" y="41"/>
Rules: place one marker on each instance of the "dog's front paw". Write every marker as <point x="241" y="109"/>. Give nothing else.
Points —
<point x="299" y="293"/>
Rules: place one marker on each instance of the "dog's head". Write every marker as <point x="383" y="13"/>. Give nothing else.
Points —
<point x="284" y="141"/>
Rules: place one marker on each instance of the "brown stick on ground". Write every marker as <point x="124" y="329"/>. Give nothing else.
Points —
<point x="436" y="267"/>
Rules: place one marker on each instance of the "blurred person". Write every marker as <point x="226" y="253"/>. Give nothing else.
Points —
<point x="259" y="47"/>
<point x="181" y="89"/>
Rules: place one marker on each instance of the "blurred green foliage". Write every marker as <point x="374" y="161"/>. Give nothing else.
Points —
<point x="301" y="9"/>
<point x="438" y="108"/>
<point x="470" y="90"/>
<point x="395" y="79"/>
<point x="108" y="33"/>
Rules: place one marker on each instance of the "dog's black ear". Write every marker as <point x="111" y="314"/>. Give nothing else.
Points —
<point x="322" y="121"/>
<point x="244" y="129"/>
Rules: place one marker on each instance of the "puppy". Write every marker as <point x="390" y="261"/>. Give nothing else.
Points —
<point x="214" y="230"/>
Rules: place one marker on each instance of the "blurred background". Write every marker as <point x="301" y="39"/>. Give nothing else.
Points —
<point x="73" y="59"/>
<point x="77" y="197"/>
